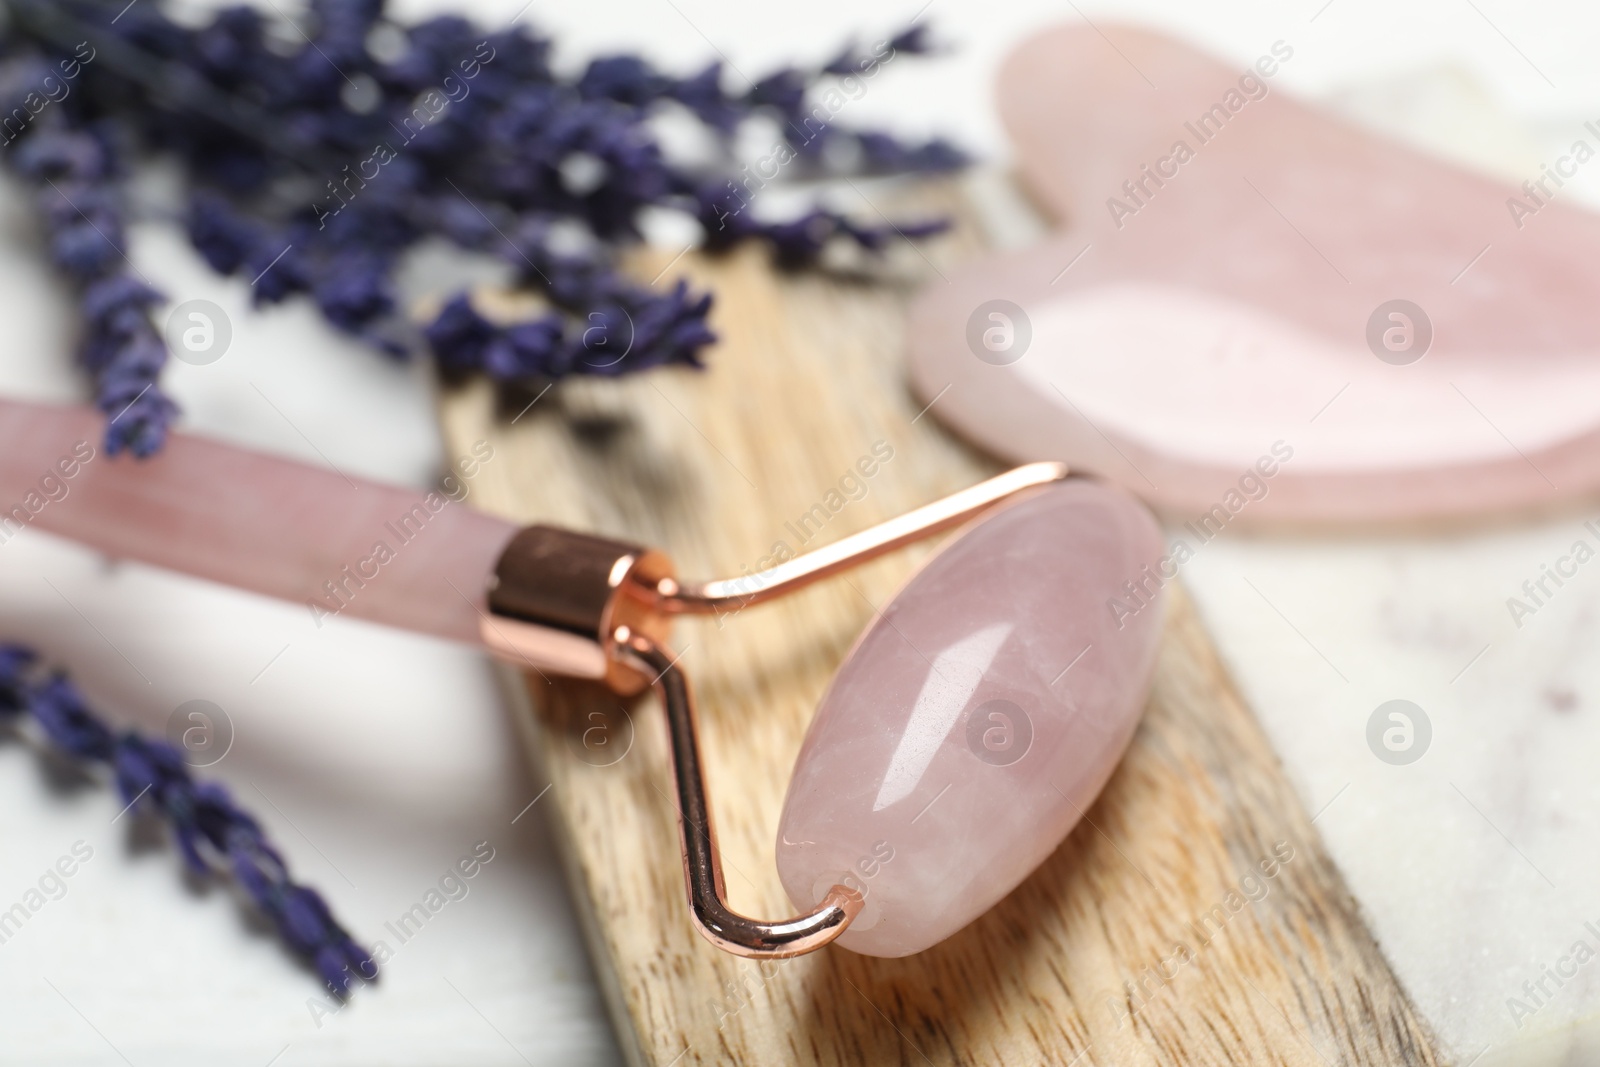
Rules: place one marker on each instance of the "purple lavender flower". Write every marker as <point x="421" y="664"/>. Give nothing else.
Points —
<point x="702" y="94"/>
<point x="314" y="170"/>
<point x="213" y="834"/>
<point x="80" y="202"/>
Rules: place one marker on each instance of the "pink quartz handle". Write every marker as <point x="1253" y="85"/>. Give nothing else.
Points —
<point x="403" y="557"/>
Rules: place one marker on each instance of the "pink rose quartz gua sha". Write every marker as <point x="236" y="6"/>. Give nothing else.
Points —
<point x="1223" y="285"/>
<point x="1002" y="681"/>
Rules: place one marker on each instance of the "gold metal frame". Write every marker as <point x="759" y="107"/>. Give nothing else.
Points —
<point x="588" y="607"/>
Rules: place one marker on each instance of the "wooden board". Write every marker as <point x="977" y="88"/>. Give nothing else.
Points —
<point x="1152" y="936"/>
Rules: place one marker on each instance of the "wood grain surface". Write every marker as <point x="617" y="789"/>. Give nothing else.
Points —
<point x="1192" y="918"/>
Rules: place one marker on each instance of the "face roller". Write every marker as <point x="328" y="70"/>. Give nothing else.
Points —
<point x="963" y="736"/>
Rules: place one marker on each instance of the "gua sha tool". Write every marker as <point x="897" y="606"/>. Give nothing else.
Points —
<point x="1225" y="279"/>
<point x="962" y="738"/>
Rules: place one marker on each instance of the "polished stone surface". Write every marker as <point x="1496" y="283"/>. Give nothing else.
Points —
<point x="977" y="718"/>
<point x="1420" y="343"/>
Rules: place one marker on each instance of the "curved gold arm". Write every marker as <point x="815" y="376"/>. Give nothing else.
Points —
<point x="730" y="594"/>
<point x="702" y="866"/>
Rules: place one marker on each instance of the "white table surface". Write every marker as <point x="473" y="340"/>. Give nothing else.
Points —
<point x="376" y="758"/>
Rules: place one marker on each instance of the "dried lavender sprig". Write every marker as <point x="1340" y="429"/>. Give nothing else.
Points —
<point x="75" y="173"/>
<point x="533" y="122"/>
<point x="507" y="158"/>
<point x="632" y="80"/>
<point x="213" y="834"/>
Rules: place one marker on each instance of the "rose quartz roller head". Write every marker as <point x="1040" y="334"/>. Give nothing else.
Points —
<point x="962" y="738"/>
<point x="977" y="718"/>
